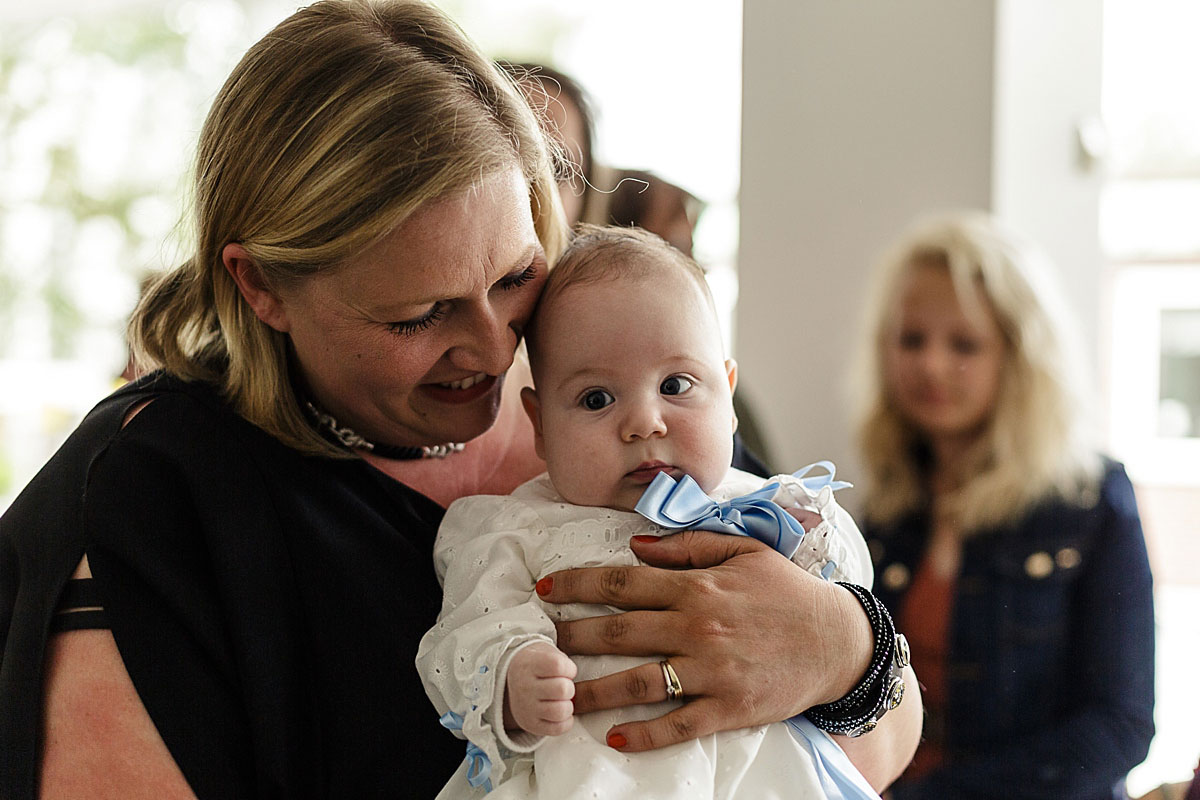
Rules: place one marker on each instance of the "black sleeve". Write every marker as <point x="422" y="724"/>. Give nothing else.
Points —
<point x="186" y="549"/>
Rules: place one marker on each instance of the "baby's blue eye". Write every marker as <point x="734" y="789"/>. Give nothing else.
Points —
<point x="597" y="399"/>
<point x="676" y="384"/>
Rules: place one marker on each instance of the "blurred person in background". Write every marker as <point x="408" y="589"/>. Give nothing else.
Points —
<point x="1009" y="550"/>
<point x="566" y="113"/>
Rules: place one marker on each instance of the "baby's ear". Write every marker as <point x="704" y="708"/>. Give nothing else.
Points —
<point x="731" y="372"/>
<point x="533" y="410"/>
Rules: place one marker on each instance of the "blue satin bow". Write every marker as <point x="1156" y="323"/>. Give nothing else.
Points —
<point x="479" y="766"/>
<point x="685" y="505"/>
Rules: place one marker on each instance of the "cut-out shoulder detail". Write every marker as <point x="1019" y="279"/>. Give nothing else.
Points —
<point x="133" y="412"/>
<point x="99" y="740"/>
<point x="82" y="570"/>
<point x="80" y="607"/>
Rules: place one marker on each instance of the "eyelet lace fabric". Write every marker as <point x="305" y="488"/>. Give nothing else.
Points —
<point x="490" y="552"/>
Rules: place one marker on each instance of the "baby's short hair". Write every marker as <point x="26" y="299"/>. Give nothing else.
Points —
<point x="611" y="252"/>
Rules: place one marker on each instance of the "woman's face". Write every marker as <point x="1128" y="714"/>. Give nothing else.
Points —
<point x="942" y="368"/>
<point x="408" y="341"/>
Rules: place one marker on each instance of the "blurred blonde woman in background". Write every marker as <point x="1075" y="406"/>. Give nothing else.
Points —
<point x="1008" y="548"/>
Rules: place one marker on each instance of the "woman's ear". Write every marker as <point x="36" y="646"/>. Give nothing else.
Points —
<point x="533" y="409"/>
<point x="267" y="305"/>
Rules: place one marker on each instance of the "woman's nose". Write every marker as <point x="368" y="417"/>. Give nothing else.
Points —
<point x="642" y="420"/>
<point x="935" y="361"/>
<point x="487" y="343"/>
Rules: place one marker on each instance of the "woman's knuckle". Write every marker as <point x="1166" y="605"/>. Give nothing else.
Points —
<point x="636" y="685"/>
<point x="682" y="726"/>
<point x="612" y="583"/>
<point x="707" y="628"/>
<point x="614" y="628"/>
<point x="702" y="585"/>
<point x="646" y="736"/>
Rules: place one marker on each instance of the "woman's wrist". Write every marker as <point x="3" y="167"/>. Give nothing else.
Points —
<point x="881" y="685"/>
<point x="851" y="653"/>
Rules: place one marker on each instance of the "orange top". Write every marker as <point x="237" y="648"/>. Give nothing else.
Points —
<point x="924" y="618"/>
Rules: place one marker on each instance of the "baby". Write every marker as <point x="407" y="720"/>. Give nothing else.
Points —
<point x="632" y="392"/>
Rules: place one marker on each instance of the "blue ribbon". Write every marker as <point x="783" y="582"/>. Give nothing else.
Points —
<point x="685" y="505"/>
<point x="479" y="766"/>
<point x="839" y="778"/>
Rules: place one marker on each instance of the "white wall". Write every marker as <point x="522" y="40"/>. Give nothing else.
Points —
<point x="858" y="117"/>
<point x="1048" y="72"/>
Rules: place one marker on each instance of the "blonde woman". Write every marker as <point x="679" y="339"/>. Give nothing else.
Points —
<point x="248" y="530"/>
<point x="1009" y="550"/>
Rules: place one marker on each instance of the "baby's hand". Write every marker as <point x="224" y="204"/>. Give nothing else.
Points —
<point x="807" y="519"/>
<point x="538" y="691"/>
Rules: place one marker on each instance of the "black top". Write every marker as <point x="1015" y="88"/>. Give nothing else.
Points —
<point x="267" y="605"/>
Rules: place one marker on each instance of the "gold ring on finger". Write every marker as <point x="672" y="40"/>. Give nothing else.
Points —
<point x="674" y="687"/>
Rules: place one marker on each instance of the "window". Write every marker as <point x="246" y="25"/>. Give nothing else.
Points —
<point x="1150" y="205"/>
<point x="1149" y="208"/>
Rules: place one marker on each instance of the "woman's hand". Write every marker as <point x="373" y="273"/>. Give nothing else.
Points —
<point x="752" y="638"/>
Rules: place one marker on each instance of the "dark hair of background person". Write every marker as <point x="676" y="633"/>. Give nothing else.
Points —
<point x="647" y="201"/>
<point x="575" y="168"/>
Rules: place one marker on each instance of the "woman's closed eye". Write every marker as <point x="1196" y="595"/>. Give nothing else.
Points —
<point x="517" y="279"/>
<point x="676" y="384"/>
<point x="438" y="310"/>
<point x="596" y="399"/>
<point x="408" y="327"/>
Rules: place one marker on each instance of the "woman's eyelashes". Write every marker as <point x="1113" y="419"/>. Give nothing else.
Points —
<point x="410" y="326"/>
<point x="438" y="310"/>
<point x="518" y="279"/>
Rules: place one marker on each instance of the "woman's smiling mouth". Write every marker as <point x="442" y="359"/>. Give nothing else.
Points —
<point x="461" y="391"/>
<point x="465" y="383"/>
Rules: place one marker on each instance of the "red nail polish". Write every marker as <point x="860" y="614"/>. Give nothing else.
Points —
<point x="616" y="741"/>
<point x="544" y="586"/>
<point x="645" y="538"/>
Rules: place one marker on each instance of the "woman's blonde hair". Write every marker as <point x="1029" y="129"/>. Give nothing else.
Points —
<point x="1038" y="441"/>
<point x="334" y="127"/>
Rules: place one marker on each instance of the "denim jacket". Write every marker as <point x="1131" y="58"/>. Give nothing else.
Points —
<point x="1050" y="678"/>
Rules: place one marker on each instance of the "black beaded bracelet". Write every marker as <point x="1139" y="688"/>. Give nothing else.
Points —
<point x="881" y="688"/>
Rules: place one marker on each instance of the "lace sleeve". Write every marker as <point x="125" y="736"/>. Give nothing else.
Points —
<point x="486" y="555"/>
<point x="834" y="548"/>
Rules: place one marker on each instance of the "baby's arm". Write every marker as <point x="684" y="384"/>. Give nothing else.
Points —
<point x="538" y="690"/>
<point x="486" y="554"/>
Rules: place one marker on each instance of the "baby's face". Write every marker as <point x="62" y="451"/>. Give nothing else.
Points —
<point x="631" y="381"/>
